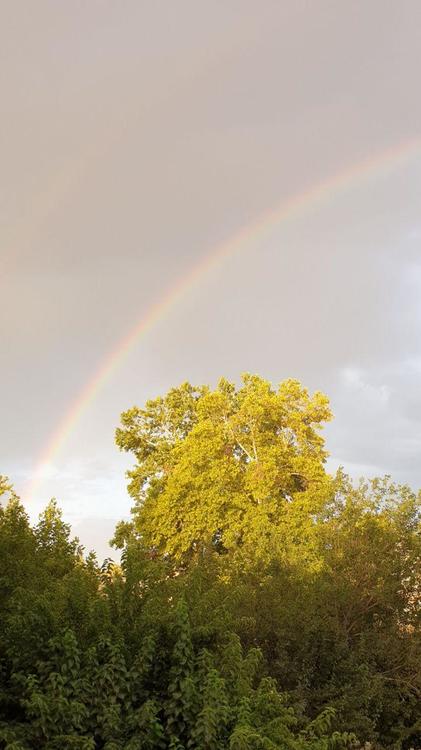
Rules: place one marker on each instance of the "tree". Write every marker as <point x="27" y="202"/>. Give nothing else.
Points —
<point x="238" y="470"/>
<point x="259" y="604"/>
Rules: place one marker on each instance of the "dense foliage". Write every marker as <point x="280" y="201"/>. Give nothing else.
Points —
<point x="259" y="602"/>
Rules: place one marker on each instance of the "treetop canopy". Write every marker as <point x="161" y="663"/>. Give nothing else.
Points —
<point x="226" y="467"/>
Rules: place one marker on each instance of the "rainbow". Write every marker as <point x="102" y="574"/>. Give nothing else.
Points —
<point x="290" y="208"/>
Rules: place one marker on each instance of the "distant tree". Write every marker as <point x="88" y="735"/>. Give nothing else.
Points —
<point x="230" y="469"/>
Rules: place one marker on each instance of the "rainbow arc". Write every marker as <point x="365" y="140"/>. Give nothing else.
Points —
<point x="288" y="209"/>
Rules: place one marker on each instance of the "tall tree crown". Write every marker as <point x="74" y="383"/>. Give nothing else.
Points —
<point x="225" y="467"/>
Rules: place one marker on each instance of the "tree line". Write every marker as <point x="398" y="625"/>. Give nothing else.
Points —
<point x="260" y="602"/>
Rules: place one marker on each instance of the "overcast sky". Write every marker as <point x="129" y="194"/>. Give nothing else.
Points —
<point x="135" y="137"/>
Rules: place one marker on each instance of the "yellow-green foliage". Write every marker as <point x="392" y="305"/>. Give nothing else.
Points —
<point x="236" y="469"/>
